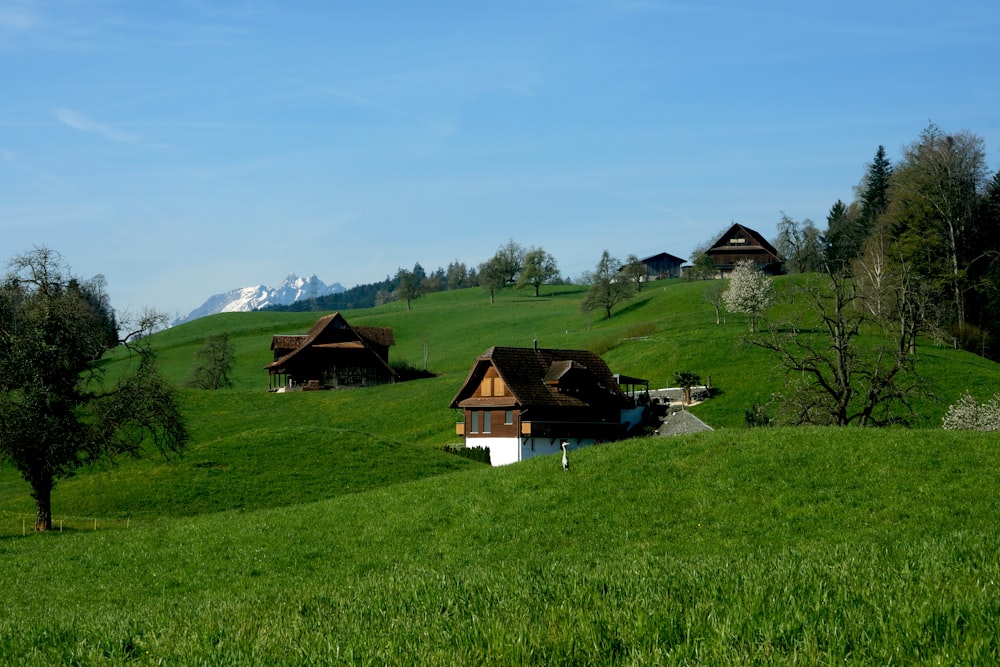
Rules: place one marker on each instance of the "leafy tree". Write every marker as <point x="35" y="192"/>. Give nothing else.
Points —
<point x="800" y="245"/>
<point x="457" y="275"/>
<point x="213" y="363"/>
<point x="703" y="267"/>
<point x="932" y="212"/>
<point x="538" y="268"/>
<point x="492" y="276"/>
<point x="409" y="285"/>
<point x="634" y="271"/>
<point x="510" y="260"/>
<point x="685" y="380"/>
<point x="834" y="379"/>
<point x="56" y="412"/>
<point x="749" y="292"/>
<point x="606" y="288"/>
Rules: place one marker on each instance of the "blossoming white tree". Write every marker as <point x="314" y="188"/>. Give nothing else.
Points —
<point x="968" y="415"/>
<point x="749" y="292"/>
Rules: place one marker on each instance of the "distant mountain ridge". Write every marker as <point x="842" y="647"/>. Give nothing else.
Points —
<point x="256" y="297"/>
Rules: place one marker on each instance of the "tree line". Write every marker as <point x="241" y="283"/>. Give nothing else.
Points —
<point x="513" y="265"/>
<point x="921" y="239"/>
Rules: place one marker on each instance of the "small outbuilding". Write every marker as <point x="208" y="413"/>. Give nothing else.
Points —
<point x="332" y="355"/>
<point x="662" y="265"/>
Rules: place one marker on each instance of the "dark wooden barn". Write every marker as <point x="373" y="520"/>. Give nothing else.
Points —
<point x="332" y="355"/>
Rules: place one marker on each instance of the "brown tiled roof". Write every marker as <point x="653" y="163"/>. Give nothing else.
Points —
<point x="533" y="376"/>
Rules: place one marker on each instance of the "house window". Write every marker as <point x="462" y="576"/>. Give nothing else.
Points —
<point x="474" y="416"/>
<point x="486" y="388"/>
<point x="508" y="417"/>
<point x="486" y="421"/>
<point x="497" y="387"/>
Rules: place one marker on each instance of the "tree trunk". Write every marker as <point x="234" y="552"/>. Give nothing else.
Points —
<point x="42" y="493"/>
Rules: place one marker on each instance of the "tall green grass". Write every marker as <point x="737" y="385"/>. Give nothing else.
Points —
<point x="328" y="528"/>
<point x="809" y="546"/>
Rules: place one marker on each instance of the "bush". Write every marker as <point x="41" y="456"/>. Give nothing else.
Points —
<point x="756" y="416"/>
<point x="966" y="414"/>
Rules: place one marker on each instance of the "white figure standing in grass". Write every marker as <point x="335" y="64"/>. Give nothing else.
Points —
<point x="563" y="446"/>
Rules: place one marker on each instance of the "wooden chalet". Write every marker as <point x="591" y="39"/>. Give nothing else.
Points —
<point x="524" y="402"/>
<point x="332" y="355"/>
<point x="663" y="265"/>
<point x="742" y="243"/>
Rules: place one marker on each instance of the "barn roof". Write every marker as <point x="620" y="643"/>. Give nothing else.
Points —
<point x="321" y="336"/>
<point x="756" y="237"/>
<point x="663" y="256"/>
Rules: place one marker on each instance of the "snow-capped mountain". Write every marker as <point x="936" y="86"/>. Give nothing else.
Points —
<point x="255" y="297"/>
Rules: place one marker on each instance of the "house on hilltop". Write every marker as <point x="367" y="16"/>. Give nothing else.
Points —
<point x="662" y="265"/>
<point x="332" y="355"/>
<point x="742" y="243"/>
<point x="524" y="402"/>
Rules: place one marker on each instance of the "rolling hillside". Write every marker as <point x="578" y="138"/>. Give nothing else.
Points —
<point x="328" y="528"/>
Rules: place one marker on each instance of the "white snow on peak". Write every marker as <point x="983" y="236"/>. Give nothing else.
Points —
<point x="255" y="297"/>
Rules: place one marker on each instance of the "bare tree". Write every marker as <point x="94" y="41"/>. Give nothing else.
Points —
<point x="712" y="294"/>
<point x="834" y="379"/>
<point x="213" y="363"/>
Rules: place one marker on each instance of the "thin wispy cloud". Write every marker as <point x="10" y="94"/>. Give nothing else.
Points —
<point x="81" y="122"/>
<point x="351" y="98"/>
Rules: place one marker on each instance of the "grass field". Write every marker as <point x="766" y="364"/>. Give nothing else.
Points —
<point x="329" y="528"/>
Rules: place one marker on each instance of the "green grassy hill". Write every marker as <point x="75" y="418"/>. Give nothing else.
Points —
<point x="328" y="528"/>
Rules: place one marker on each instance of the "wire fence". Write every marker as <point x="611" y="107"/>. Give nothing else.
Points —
<point x="13" y="524"/>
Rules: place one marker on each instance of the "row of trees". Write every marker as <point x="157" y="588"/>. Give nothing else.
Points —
<point x="921" y="238"/>
<point x="611" y="282"/>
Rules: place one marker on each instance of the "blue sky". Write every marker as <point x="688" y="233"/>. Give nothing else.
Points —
<point x="186" y="148"/>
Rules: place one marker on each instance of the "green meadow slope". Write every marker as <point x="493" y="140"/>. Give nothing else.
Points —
<point x="329" y="528"/>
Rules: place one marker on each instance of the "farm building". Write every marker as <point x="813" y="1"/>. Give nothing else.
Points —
<point x="662" y="265"/>
<point x="332" y="355"/>
<point x="524" y="402"/>
<point x="742" y="243"/>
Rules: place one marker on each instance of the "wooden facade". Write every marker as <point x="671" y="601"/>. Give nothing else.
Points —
<point x="663" y="265"/>
<point x="741" y="243"/>
<point x="332" y="355"/>
<point x="523" y="401"/>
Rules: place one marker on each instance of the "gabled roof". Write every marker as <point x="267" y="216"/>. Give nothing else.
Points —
<point x="546" y="378"/>
<point x="324" y="334"/>
<point x="760" y="241"/>
<point x="663" y="256"/>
